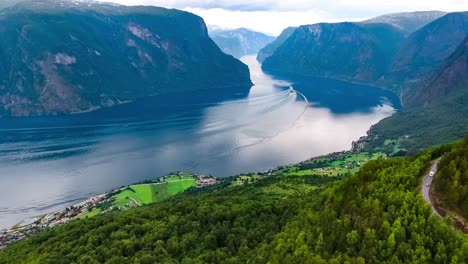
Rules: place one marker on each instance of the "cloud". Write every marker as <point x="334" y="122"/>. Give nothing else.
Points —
<point x="271" y="22"/>
<point x="272" y="16"/>
<point x="344" y="7"/>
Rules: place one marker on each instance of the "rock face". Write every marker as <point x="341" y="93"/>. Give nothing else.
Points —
<point x="424" y="51"/>
<point x="380" y="55"/>
<point x="346" y="51"/>
<point x="407" y="22"/>
<point x="240" y="42"/>
<point x="71" y="56"/>
<point x="269" y="49"/>
<point x="451" y="78"/>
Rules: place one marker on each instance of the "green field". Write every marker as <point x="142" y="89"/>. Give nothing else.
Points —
<point x="326" y="166"/>
<point x="154" y="192"/>
<point x="92" y="213"/>
<point x="244" y="179"/>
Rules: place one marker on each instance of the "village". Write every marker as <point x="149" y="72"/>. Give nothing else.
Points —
<point x="37" y="224"/>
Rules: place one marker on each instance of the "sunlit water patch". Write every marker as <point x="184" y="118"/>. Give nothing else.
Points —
<point x="48" y="163"/>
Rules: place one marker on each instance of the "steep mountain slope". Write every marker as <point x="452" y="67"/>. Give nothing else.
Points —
<point x="407" y="22"/>
<point x="269" y="49"/>
<point x="425" y="51"/>
<point x="345" y="51"/>
<point x="451" y="78"/>
<point x="72" y="56"/>
<point x="417" y="128"/>
<point x="240" y="42"/>
<point x="436" y="110"/>
<point x="375" y="216"/>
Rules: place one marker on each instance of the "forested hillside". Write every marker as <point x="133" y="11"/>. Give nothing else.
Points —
<point x="376" y="216"/>
<point x="451" y="180"/>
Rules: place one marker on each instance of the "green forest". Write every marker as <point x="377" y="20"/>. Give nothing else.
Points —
<point x="418" y="128"/>
<point x="451" y="180"/>
<point x="374" y="216"/>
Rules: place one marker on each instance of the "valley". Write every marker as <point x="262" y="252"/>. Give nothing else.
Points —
<point x="83" y="155"/>
<point x="137" y="134"/>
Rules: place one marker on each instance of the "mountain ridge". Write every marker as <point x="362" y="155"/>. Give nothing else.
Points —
<point x="240" y="42"/>
<point x="78" y="56"/>
<point x="408" y="21"/>
<point x="347" y="51"/>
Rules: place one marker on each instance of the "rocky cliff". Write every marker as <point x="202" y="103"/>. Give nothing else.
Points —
<point x="345" y="51"/>
<point x="72" y="56"/>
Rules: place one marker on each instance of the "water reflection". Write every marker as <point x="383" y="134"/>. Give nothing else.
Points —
<point x="64" y="159"/>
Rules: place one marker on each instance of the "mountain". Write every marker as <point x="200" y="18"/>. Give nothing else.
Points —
<point x="347" y="51"/>
<point x="62" y="56"/>
<point x="436" y="111"/>
<point x="407" y="22"/>
<point x="451" y="78"/>
<point x="377" y="215"/>
<point x="425" y="51"/>
<point x="240" y="42"/>
<point x="269" y="49"/>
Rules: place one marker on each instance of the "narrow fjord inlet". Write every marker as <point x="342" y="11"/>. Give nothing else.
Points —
<point x="233" y="131"/>
<point x="56" y="163"/>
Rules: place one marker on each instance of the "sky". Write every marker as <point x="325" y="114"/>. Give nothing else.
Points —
<point x="272" y="16"/>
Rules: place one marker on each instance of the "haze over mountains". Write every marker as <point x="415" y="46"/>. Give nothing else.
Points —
<point x="407" y="22"/>
<point x="269" y="49"/>
<point x="239" y="42"/>
<point x="73" y="56"/>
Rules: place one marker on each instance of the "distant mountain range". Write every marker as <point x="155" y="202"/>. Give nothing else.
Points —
<point x="449" y="79"/>
<point x="427" y="68"/>
<point x="239" y="42"/>
<point x="407" y="22"/>
<point x="424" y="52"/>
<point x="269" y="49"/>
<point x="372" y="52"/>
<point x="63" y="56"/>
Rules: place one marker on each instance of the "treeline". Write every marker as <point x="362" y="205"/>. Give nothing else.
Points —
<point x="451" y="180"/>
<point x="419" y="128"/>
<point x="376" y="216"/>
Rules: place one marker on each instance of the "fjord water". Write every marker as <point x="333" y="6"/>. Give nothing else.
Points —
<point x="49" y="163"/>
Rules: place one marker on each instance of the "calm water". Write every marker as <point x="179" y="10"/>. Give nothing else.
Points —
<point x="48" y="163"/>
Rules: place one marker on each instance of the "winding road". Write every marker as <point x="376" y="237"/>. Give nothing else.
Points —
<point x="427" y="184"/>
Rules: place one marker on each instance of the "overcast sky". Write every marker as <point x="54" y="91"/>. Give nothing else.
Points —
<point x="271" y="16"/>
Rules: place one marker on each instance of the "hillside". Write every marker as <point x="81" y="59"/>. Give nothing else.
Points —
<point x="417" y="128"/>
<point x="407" y="22"/>
<point x="269" y="49"/>
<point x="425" y="51"/>
<point x="346" y="51"/>
<point x="375" y="216"/>
<point x="451" y="180"/>
<point x="451" y="78"/>
<point x="240" y="42"/>
<point x="436" y="111"/>
<point x="63" y="56"/>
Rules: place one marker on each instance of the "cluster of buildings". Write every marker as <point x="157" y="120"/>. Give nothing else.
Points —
<point x="37" y="224"/>
<point x="204" y="181"/>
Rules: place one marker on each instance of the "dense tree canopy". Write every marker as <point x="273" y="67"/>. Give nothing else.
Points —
<point x="375" y="216"/>
<point x="451" y="181"/>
